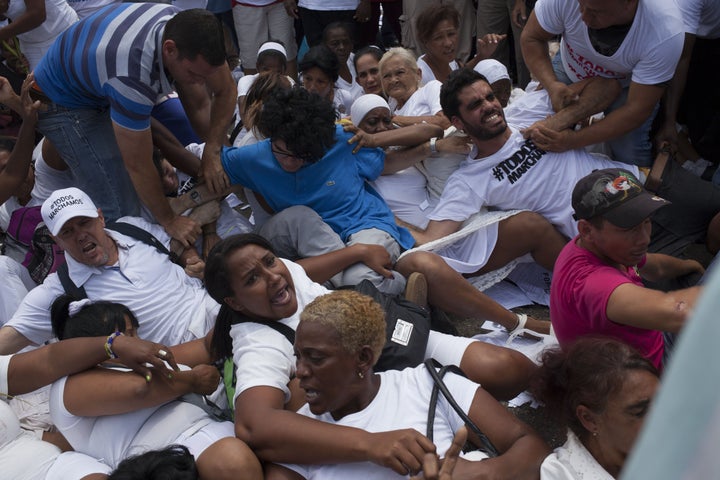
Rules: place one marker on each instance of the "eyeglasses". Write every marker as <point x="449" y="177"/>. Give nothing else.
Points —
<point x="304" y="158"/>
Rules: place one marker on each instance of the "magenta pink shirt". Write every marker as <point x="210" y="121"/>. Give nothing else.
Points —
<point x="581" y="287"/>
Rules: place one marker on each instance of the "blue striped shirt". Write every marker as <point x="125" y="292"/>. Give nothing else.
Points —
<point x="112" y="58"/>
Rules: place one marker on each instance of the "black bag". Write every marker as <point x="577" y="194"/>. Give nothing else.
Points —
<point x="407" y="329"/>
<point x="439" y="386"/>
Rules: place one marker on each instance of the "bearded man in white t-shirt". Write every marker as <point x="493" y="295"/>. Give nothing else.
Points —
<point x="505" y="171"/>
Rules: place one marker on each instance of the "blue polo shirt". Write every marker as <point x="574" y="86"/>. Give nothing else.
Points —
<point x="335" y="187"/>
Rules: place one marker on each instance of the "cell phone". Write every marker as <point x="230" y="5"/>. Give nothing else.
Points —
<point x="37" y="94"/>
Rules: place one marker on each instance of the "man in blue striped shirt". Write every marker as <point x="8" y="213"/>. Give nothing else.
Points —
<point x="102" y="77"/>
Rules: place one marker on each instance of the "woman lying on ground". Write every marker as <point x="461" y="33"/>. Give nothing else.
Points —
<point x="24" y="455"/>
<point x="338" y="341"/>
<point x="253" y="285"/>
<point x="110" y="413"/>
<point x="601" y="389"/>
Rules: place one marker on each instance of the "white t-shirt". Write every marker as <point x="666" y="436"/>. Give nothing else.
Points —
<point x="170" y="306"/>
<point x="414" y="192"/>
<point x="648" y="54"/>
<point x="572" y="461"/>
<point x="352" y="86"/>
<point x="113" y="438"/>
<point x="701" y="17"/>
<point x="83" y="8"/>
<point x="425" y="101"/>
<point x="324" y="5"/>
<point x="401" y="402"/>
<point x="263" y="356"/>
<point x="48" y="179"/>
<point x="34" y="43"/>
<point x="427" y="73"/>
<point x="520" y="176"/>
<point x="343" y="100"/>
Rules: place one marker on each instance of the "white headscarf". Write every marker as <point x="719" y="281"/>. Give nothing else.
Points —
<point x="364" y="104"/>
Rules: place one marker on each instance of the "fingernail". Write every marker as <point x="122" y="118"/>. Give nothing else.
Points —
<point x="170" y="375"/>
<point x="148" y="377"/>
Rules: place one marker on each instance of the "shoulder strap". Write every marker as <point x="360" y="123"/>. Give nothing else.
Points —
<point x="139" y="234"/>
<point x="68" y="285"/>
<point x="286" y="331"/>
<point x="440" y="386"/>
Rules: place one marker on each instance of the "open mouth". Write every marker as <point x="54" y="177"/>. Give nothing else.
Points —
<point x="89" y="248"/>
<point x="282" y="297"/>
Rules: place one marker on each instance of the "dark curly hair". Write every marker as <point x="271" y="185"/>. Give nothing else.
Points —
<point x="303" y="120"/>
<point x="588" y="372"/>
<point x="174" y="462"/>
<point x="456" y="81"/>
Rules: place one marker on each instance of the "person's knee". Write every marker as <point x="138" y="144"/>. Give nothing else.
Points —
<point x="423" y="262"/>
<point x="503" y="372"/>
<point x="229" y="459"/>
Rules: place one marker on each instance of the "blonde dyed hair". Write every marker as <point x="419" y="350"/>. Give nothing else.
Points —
<point x="358" y="319"/>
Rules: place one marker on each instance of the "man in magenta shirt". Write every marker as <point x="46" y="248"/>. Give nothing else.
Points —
<point x="597" y="286"/>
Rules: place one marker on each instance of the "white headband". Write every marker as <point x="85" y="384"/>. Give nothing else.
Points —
<point x="364" y="104"/>
<point x="272" y="46"/>
<point x="76" y="306"/>
<point x="492" y="70"/>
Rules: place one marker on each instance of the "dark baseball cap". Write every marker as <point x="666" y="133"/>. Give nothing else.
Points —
<point x="615" y="195"/>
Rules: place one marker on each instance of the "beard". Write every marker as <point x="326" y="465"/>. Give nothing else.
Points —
<point x="482" y="132"/>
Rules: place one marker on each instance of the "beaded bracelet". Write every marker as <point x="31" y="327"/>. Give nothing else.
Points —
<point x="108" y="344"/>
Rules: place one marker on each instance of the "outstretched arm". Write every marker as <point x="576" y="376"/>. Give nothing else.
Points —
<point x="102" y="391"/>
<point x="278" y="435"/>
<point x="641" y="307"/>
<point x="31" y="370"/>
<point x="322" y="268"/>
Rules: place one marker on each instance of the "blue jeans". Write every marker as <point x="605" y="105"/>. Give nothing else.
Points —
<point x="634" y="147"/>
<point x="85" y="140"/>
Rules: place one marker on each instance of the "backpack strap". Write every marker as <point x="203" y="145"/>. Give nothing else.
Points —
<point x="143" y="235"/>
<point x="286" y="331"/>
<point x="68" y="285"/>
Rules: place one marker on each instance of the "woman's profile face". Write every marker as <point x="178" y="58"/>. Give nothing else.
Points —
<point x="619" y="424"/>
<point x="326" y="372"/>
<point x="376" y="120"/>
<point x="261" y="284"/>
<point x="368" y="74"/>
<point x="316" y="81"/>
<point x="442" y="44"/>
<point x="399" y="80"/>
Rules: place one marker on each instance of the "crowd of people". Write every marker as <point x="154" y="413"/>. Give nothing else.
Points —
<point x="197" y="193"/>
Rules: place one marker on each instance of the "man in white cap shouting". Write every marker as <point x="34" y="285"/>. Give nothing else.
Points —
<point x="170" y="306"/>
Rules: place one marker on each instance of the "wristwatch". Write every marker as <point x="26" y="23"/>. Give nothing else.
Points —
<point x="433" y="146"/>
